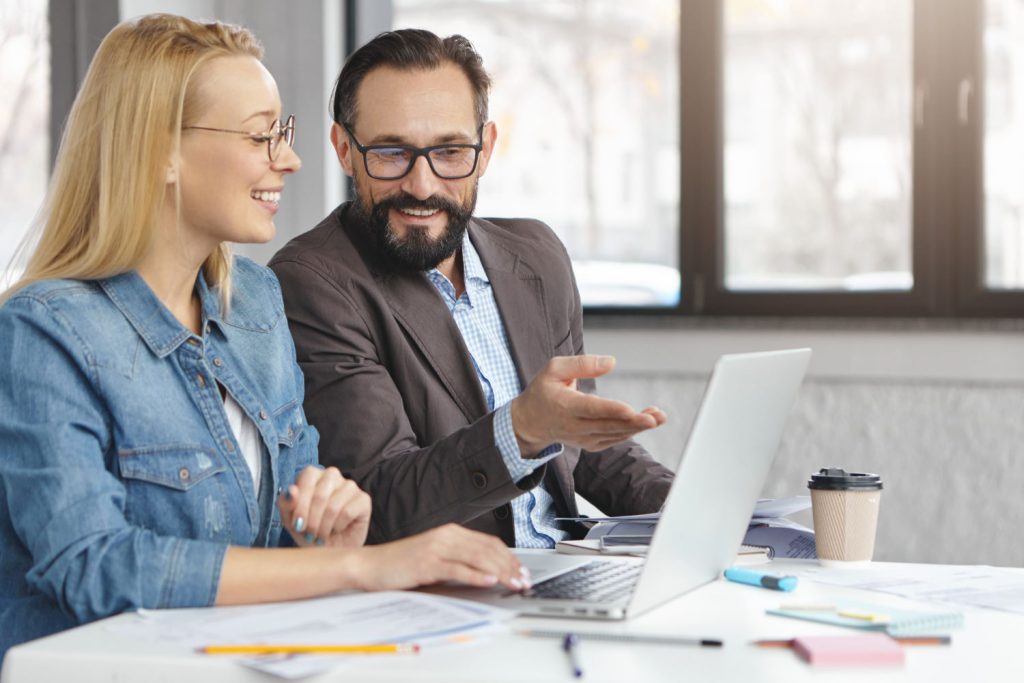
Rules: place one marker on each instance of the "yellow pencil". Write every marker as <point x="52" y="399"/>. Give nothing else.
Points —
<point x="384" y="648"/>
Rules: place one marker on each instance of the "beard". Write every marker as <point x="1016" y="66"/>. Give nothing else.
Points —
<point x="417" y="251"/>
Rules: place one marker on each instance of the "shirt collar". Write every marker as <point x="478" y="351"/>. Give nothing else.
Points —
<point x="472" y="266"/>
<point x="157" y="326"/>
<point x="472" y="271"/>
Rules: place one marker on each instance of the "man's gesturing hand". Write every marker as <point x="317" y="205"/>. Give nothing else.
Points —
<point x="551" y="409"/>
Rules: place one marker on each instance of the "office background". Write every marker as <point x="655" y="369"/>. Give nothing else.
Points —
<point x="925" y="391"/>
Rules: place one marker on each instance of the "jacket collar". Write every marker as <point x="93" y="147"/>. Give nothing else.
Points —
<point x="420" y="310"/>
<point x="157" y="326"/>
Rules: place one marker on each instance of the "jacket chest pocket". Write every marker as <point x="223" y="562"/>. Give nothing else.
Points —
<point x="176" y="490"/>
<point x="289" y="423"/>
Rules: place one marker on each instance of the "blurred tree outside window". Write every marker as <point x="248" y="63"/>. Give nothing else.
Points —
<point x="585" y="97"/>
<point x="24" y="118"/>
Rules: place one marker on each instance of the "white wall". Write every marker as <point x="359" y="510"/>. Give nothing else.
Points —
<point x="938" y="413"/>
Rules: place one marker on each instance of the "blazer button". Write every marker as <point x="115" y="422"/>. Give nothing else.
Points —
<point x="502" y="513"/>
<point x="479" y="480"/>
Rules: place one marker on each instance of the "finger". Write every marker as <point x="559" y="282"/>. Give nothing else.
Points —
<point x="597" y="407"/>
<point x="305" y="483"/>
<point x="330" y="479"/>
<point x="659" y="416"/>
<point x="568" y="368"/>
<point x="345" y="508"/>
<point x="456" y="571"/>
<point x="486" y="554"/>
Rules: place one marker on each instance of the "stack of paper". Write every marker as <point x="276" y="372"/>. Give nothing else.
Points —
<point x="769" y="532"/>
<point x="770" y="529"/>
<point x="352" y="619"/>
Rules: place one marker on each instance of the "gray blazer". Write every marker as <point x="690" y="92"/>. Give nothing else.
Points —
<point x="392" y="389"/>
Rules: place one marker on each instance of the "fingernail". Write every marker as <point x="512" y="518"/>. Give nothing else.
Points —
<point x="524" y="572"/>
<point x="300" y="524"/>
<point x="287" y="494"/>
<point x="517" y="584"/>
<point x="605" y="362"/>
<point x="490" y="580"/>
<point x="319" y="541"/>
<point x="309" y="537"/>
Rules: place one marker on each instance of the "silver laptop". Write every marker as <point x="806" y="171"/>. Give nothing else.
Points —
<point x="726" y="460"/>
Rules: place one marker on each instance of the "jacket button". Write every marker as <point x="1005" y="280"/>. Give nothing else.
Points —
<point x="479" y="480"/>
<point x="183" y="474"/>
<point x="502" y="513"/>
<point x="218" y="362"/>
<point x="263" y="415"/>
<point x="229" y="446"/>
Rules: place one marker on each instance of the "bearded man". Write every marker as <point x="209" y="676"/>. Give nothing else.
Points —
<point x="443" y="353"/>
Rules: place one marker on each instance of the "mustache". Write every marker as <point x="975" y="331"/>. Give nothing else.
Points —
<point x="404" y="200"/>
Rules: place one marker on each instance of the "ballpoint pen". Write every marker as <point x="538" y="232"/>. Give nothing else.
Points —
<point x="569" y="645"/>
<point x="623" y="638"/>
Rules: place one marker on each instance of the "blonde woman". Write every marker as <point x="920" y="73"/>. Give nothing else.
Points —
<point x="155" y="451"/>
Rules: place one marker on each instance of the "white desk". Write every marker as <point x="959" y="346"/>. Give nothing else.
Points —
<point x="988" y="648"/>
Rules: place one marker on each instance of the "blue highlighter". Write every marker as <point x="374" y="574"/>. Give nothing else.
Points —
<point x="755" y="578"/>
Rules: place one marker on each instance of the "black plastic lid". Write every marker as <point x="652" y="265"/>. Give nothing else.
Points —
<point x="838" y="479"/>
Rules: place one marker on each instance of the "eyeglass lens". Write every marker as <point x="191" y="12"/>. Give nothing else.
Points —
<point x="390" y="163"/>
<point x="281" y="132"/>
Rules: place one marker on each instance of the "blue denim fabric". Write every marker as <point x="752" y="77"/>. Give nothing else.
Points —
<point x="121" y="483"/>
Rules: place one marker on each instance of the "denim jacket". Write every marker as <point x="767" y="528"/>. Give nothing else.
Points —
<point x="121" y="482"/>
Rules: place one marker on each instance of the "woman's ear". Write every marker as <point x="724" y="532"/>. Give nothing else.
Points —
<point x="172" y="172"/>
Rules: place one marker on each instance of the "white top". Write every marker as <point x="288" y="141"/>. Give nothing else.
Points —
<point x="247" y="436"/>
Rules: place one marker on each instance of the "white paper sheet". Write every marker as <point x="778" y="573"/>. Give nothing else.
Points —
<point x="974" y="586"/>
<point x="351" y="619"/>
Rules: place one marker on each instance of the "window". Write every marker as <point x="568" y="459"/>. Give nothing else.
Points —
<point x="765" y="157"/>
<point x="1004" y="144"/>
<point x="585" y="99"/>
<point x="24" y="119"/>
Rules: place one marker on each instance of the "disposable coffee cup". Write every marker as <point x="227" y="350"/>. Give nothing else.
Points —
<point x="845" y="510"/>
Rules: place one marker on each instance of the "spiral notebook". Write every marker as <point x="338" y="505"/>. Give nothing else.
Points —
<point x="868" y="617"/>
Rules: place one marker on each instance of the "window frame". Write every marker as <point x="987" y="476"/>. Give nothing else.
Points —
<point x="947" y="200"/>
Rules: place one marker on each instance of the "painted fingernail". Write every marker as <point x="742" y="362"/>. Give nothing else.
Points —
<point x="490" y="580"/>
<point x="300" y="524"/>
<point x="309" y="537"/>
<point x="287" y="494"/>
<point x="319" y="541"/>
<point x="517" y="584"/>
<point x="524" y="572"/>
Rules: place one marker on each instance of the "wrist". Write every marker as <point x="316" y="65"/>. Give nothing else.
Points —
<point x="528" y="446"/>
<point x="350" y="569"/>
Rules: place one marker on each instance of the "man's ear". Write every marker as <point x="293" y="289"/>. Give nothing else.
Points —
<point x="342" y="147"/>
<point x="489" y="137"/>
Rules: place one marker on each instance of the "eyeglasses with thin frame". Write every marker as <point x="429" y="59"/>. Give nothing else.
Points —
<point x="273" y="136"/>
<point x="449" y="161"/>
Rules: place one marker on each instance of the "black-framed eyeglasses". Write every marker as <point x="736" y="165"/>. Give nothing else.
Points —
<point x="273" y="136"/>
<point x="450" y="161"/>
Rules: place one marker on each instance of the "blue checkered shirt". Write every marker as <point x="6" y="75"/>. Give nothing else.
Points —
<point x="477" y="316"/>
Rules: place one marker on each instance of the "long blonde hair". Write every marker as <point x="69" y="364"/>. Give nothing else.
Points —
<point x="109" y="180"/>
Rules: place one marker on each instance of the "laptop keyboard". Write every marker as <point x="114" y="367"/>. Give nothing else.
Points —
<point x="597" y="581"/>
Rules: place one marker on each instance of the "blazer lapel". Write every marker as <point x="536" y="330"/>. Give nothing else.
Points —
<point x="519" y="292"/>
<point x="420" y="311"/>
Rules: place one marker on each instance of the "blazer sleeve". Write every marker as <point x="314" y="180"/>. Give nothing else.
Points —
<point x="356" y="406"/>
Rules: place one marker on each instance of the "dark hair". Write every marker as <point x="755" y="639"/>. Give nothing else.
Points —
<point x="408" y="49"/>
